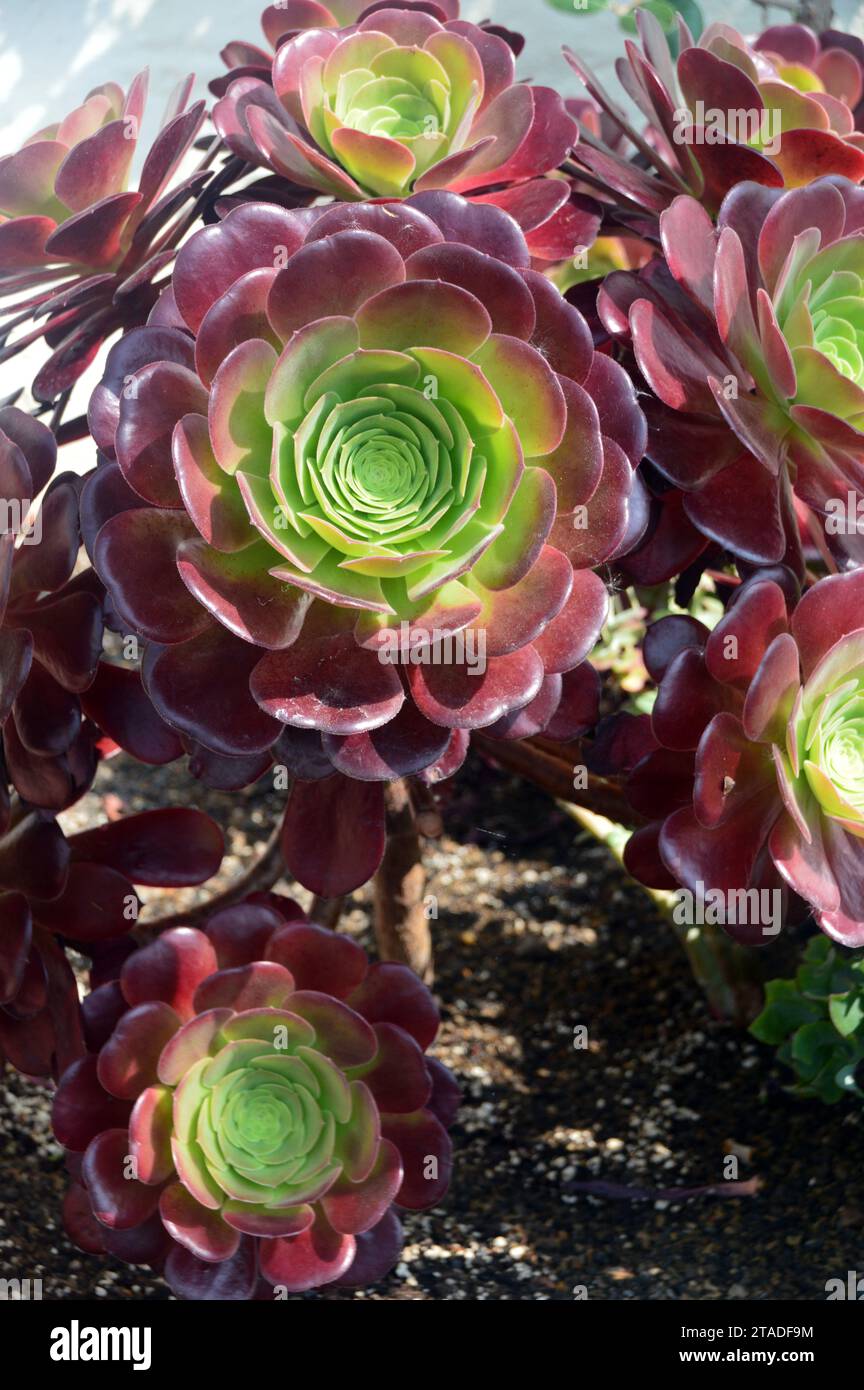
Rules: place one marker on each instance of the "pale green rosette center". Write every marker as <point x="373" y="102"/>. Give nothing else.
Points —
<point x="834" y="764"/>
<point x="820" y="309"/>
<point x="838" y="329"/>
<point x="259" y="1126"/>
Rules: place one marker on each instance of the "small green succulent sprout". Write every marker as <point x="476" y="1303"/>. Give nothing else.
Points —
<point x="816" y="1022"/>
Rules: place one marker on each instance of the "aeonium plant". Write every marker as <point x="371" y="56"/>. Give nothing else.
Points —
<point x="750" y="335"/>
<point x="759" y="730"/>
<point x="61" y="706"/>
<point x="720" y="114"/>
<point x="364" y="481"/>
<point x="81" y="251"/>
<point x="831" y="62"/>
<point x="270" y="1090"/>
<point x="387" y="100"/>
<point x="364" y="427"/>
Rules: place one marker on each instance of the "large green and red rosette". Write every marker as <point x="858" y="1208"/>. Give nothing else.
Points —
<point x="403" y="100"/>
<point x="271" y="1092"/>
<point x="397" y="429"/>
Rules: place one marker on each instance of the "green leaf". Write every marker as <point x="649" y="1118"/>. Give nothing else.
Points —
<point x="785" y="1010"/>
<point x="692" y="16"/>
<point x="661" y="10"/>
<point x="846" y="1012"/>
<point x="813" y="1048"/>
<point x="819" y="948"/>
<point x="844" y="979"/>
<point x="815" y="975"/>
<point x="824" y="1085"/>
<point x="784" y="1053"/>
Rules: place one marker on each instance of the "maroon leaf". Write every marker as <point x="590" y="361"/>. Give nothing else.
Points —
<point x="152" y="596"/>
<point x="127" y="1062"/>
<point x="97" y="903"/>
<point x="117" y="702"/>
<point x="328" y="683"/>
<point x="170" y="968"/>
<point x="241" y="934"/>
<point x="392" y="993"/>
<point x="202" y="688"/>
<point x="317" y="1256"/>
<point x="172" y="848"/>
<point x="426" y="1153"/>
<point x="231" y="1280"/>
<point x="318" y="959"/>
<point x="333" y="834"/>
<point x="119" y="1202"/>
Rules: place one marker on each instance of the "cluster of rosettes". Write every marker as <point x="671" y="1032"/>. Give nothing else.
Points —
<point x="255" y="1102"/>
<point x="756" y="752"/>
<point x="752" y="336"/>
<point x="354" y="430"/>
<point x="386" y="100"/>
<point x="792" y="122"/>
<point x="57" y="891"/>
<point x="79" y="245"/>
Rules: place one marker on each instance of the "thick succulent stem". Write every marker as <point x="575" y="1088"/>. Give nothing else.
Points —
<point x="327" y="911"/>
<point x="401" y="926"/>
<point x="726" y="972"/>
<point x="266" y="870"/>
<point x="557" y="769"/>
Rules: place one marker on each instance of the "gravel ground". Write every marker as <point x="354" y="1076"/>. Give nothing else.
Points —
<point x="538" y="933"/>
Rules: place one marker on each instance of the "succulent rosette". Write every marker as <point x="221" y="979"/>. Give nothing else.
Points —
<point x="786" y="133"/>
<point x="78" y="890"/>
<point x="51" y="628"/>
<point x="401" y="435"/>
<point x="759" y="731"/>
<point x="391" y="100"/>
<point x="286" y="20"/>
<point x="751" y="335"/>
<point x="830" y="63"/>
<point x="271" y="1089"/>
<point x="79" y="249"/>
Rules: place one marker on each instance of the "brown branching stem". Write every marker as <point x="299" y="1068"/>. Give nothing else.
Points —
<point x="327" y="911"/>
<point x="552" y="767"/>
<point x="401" y="925"/>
